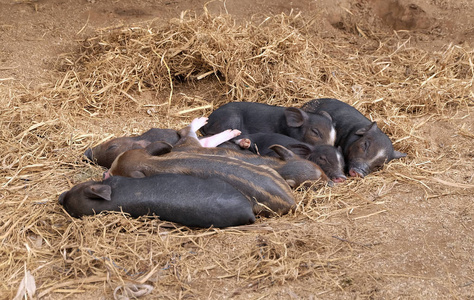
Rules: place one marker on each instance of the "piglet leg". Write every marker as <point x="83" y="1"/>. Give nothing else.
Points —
<point x="195" y="125"/>
<point x="244" y="143"/>
<point x="214" y="140"/>
<point x="217" y="139"/>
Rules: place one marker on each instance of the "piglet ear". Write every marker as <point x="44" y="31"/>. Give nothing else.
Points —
<point x="284" y="153"/>
<point x="140" y="144"/>
<point x="397" y="154"/>
<point x="295" y="117"/>
<point x="99" y="191"/>
<point x="300" y="149"/>
<point x="291" y="183"/>
<point x="137" y="174"/>
<point x="326" y="114"/>
<point x="371" y="127"/>
<point x="158" y="148"/>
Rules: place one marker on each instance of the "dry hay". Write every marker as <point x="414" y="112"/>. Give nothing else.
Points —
<point x="126" y="81"/>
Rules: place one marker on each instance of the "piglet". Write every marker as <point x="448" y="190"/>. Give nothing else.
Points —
<point x="268" y="190"/>
<point x="328" y="158"/>
<point x="294" y="169"/>
<point x="251" y="117"/>
<point x="365" y="147"/>
<point x="105" y="153"/>
<point x="184" y="199"/>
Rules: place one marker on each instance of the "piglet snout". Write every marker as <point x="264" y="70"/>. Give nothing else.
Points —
<point x="61" y="198"/>
<point x="106" y="175"/>
<point x="88" y="154"/>
<point x="354" y="173"/>
<point x="339" y="179"/>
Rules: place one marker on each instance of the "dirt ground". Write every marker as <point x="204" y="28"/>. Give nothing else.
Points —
<point x="412" y="238"/>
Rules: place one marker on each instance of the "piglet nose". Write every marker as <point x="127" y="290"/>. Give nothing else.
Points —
<point x="339" y="179"/>
<point x="61" y="198"/>
<point x="354" y="173"/>
<point x="106" y="175"/>
<point x="88" y="154"/>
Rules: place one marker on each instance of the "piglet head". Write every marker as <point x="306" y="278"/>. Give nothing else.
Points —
<point x="316" y="128"/>
<point x="104" y="154"/>
<point x="127" y="163"/>
<point x="78" y="200"/>
<point x="133" y="163"/>
<point x="329" y="158"/>
<point x="369" y="151"/>
<point x="297" y="170"/>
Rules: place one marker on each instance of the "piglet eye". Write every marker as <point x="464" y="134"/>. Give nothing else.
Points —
<point x="323" y="159"/>
<point x="365" y="145"/>
<point x="111" y="147"/>
<point x="316" y="132"/>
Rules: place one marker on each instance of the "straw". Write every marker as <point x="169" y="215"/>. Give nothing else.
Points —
<point x="124" y="81"/>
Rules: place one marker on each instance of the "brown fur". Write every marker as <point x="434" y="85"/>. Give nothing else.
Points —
<point x="263" y="185"/>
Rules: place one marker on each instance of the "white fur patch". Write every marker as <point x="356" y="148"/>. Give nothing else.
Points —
<point x="340" y="161"/>
<point x="380" y="154"/>
<point x="332" y="137"/>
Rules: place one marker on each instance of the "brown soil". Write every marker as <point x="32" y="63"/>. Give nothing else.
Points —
<point x="408" y="238"/>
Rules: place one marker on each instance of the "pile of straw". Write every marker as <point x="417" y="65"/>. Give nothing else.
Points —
<point x="127" y="81"/>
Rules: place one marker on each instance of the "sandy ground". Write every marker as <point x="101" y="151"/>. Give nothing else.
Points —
<point x="35" y="33"/>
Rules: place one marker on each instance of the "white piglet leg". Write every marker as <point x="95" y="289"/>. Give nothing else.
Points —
<point x="217" y="139"/>
<point x="197" y="123"/>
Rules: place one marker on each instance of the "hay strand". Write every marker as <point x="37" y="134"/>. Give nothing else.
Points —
<point x="128" y="79"/>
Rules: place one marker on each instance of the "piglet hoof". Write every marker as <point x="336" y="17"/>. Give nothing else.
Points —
<point x="234" y="132"/>
<point x="197" y="123"/>
<point x="244" y="143"/>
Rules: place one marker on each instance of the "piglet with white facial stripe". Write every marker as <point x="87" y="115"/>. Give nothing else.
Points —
<point x="251" y="117"/>
<point x="329" y="158"/>
<point x="365" y="147"/>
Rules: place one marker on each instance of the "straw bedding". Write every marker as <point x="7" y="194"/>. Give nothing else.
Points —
<point x="126" y="81"/>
